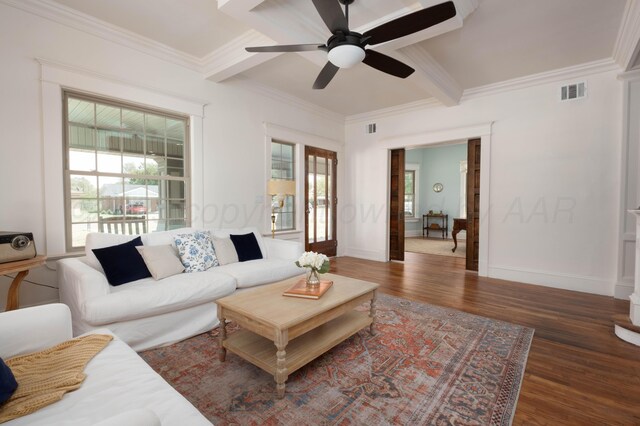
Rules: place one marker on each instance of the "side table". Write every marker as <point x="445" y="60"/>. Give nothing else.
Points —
<point x="441" y="220"/>
<point x="22" y="267"/>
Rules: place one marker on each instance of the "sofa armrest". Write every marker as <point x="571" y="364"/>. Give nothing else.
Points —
<point x="79" y="283"/>
<point x="283" y="249"/>
<point x="32" y="329"/>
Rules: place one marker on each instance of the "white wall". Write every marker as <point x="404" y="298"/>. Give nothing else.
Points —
<point x="554" y="179"/>
<point x="233" y="141"/>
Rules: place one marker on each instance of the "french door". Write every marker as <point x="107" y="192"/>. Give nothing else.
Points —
<point x="321" y="200"/>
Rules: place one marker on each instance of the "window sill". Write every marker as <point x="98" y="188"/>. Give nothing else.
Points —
<point x="291" y="232"/>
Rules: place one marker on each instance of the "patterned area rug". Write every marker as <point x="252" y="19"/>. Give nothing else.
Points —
<point x="426" y="365"/>
<point x="435" y="246"/>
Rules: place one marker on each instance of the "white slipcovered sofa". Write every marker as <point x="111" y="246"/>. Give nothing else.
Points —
<point x="120" y="388"/>
<point x="148" y="313"/>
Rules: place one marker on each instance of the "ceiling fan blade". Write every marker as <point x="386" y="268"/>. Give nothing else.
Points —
<point x="287" y="48"/>
<point x="325" y="76"/>
<point x="411" y="23"/>
<point x="387" y="64"/>
<point x="331" y="13"/>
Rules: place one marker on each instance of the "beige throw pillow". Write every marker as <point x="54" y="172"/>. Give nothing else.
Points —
<point x="225" y="250"/>
<point x="162" y="261"/>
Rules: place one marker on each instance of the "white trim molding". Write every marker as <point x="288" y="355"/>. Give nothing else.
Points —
<point x="70" y="17"/>
<point x="552" y="279"/>
<point x="55" y="77"/>
<point x="482" y="131"/>
<point x="625" y="51"/>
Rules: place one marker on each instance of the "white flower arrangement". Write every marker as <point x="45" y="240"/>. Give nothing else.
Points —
<point x="315" y="261"/>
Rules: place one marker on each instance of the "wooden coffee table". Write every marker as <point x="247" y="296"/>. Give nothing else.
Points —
<point x="300" y="329"/>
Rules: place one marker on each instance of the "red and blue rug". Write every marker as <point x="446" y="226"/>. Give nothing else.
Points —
<point x="426" y="365"/>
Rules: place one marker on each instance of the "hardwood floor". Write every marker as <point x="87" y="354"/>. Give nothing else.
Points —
<point x="578" y="371"/>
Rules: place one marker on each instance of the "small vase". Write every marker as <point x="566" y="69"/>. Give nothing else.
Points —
<point x="312" y="278"/>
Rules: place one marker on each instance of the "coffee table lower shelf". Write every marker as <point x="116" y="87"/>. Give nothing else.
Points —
<point x="301" y="350"/>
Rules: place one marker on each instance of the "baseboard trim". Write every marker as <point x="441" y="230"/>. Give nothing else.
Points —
<point x="365" y="254"/>
<point x="623" y="289"/>
<point x="579" y="283"/>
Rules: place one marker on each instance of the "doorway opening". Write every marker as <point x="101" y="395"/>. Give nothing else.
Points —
<point x="321" y="200"/>
<point x="435" y="202"/>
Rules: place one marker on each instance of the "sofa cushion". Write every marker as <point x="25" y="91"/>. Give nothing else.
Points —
<point x="122" y="263"/>
<point x="262" y="271"/>
<point x="225" y="250"/>
<point x="161" y="260"/>
<point x="196" y="251"/>
<point x="246" y="246"/>
<point x="226" y="232"/>
<point x="8" y="384"/>
<point x="97" y="240"/>
<point x="144" y="298"/>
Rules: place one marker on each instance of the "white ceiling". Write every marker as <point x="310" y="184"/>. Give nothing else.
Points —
<point x="500" y="40"/>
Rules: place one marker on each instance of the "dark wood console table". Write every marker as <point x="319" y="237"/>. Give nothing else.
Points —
<point x="458" y="225"/>
<point x="429" y="222"/>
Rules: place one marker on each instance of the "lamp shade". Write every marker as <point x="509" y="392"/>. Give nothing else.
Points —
<point x="281" y="187"/>
<point x="346" y="55"/>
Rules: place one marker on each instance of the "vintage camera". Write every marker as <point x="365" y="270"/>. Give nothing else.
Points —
<point x="16" y="246"/>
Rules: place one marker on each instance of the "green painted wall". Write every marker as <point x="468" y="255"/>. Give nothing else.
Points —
<point x="437" y="165"/>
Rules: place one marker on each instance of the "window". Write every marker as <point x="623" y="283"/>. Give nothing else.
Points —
<point x="126" y="169"/>
<point x="410" y="193"/>
<point x="282" y="167"/>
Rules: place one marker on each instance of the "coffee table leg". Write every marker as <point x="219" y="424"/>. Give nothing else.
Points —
<point x="223" y="335"/>
<point x="372" y="313"/>
<point x="282" y="338"/>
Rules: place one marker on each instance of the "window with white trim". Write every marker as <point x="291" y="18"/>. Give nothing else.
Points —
<point x="126" y="168"/>
<point x="410" y="193"/>
<point x="283" y="168"/>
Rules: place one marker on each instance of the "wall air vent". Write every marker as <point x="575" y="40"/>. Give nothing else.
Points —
<point x="371" y="128"/>
<point x="573" y="91"/>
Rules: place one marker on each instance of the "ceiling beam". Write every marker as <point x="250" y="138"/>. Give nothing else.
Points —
<point x="232" y="58"/>
<point x="297" y="23"/>
<point x="627" y="46"/>
<point x="430" y="75"/>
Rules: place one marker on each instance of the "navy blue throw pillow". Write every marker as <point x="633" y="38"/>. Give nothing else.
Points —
<point x="8" y="384"/>
<point x="122" y="263"/>
<point x="246" y="246"/>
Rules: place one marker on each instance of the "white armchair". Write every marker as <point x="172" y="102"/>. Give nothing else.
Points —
<point x="128" y="390"/>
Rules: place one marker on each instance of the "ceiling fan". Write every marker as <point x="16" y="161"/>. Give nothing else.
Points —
<point x="347" y="48"/>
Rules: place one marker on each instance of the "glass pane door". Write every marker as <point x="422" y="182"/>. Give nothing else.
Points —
<point x="320" y="183"/>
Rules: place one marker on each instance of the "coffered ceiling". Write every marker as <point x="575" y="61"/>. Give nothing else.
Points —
<point x="489" y="41"/>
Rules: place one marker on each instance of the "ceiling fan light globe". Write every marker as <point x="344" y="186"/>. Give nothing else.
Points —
<point x="346" y="55"/>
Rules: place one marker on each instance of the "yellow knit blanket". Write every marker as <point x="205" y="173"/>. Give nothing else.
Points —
<point x="44" y="377"/>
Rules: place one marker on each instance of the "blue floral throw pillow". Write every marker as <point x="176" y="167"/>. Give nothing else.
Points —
<point x="196" y="251"/>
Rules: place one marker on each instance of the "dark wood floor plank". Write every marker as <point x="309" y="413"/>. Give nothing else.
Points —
<point x="578" y="371"/>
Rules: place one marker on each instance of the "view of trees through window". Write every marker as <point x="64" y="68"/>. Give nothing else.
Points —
<point x="126" y="169"/>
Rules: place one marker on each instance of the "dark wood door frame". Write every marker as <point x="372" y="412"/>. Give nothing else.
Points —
<point x="473" y="204"/>
<point x="396" y="205"/>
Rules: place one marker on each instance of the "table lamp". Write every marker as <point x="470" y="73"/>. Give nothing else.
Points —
<point x="280" y="188"/>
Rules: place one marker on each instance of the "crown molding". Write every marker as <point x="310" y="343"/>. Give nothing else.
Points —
<point x="394" y="110"/>
<point x="294" y="101"/>
<point x="82" y="22"/>
<point x="590" y="68"/>
<point x="625" y="50"/>
<point x="52" y="64"/>
<point x="577" y="71"/>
